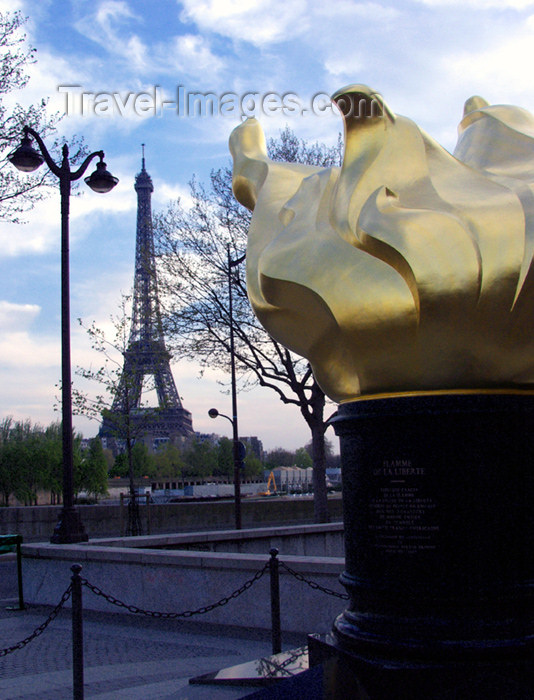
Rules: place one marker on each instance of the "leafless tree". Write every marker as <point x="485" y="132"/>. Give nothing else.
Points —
<point x="192" y="245"/>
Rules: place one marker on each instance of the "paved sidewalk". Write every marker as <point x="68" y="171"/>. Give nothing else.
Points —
<point x="125" y="656"/>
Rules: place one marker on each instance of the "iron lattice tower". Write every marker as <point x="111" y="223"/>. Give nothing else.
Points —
<point x="146" y="354"/>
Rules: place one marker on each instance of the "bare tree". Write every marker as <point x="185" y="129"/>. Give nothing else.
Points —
<point x="192" y="244"/>
<point x="19" y="192"/>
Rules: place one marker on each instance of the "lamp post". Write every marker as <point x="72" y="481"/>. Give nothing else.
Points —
<point x="239" y="451"/>
<point x="213" y="412"/>
<point x="69" y="528"/>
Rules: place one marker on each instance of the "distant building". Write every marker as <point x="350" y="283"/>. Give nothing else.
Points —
<point x="255" y="445"/>
<point x="212" y="438"/>
<point x="291" y="478"/>
<point x="333" y="475"/>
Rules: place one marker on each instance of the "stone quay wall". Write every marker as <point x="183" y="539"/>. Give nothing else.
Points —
<point x="137" y="572"/>
<point x="36" y="523"/>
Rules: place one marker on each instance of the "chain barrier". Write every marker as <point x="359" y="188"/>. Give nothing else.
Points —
<point x="39" y="630"/>
<point x="171" y="615"/>
<point x="313" y="584"/>
<point x="168" y="615"/>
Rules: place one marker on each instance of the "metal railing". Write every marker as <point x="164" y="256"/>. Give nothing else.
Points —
<point x="77" y="583"/>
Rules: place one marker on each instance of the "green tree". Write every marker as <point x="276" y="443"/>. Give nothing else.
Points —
<point x="279" y="458"/>
<point x="52" y="460"/>
<point x="24" y="460"/>
<point x="23" y="469"/>
<point x="200" y="458"/>
<point x="94" y="470"/>
<point x="120" y="467"/>
<point x="225" y="458"/>
<point x="142" y="461"/>
<point x="192" y="244"/>
<point x="110" y="459"/>
<point x="252" y="465"/>
<point x="303" y="458"/>
<point x="167" y="462"/>
<point x="31" y="459"/>
<point x="6" y="478"/>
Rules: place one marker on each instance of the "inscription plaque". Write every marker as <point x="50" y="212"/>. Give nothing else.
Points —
<point x="402" y="517"/>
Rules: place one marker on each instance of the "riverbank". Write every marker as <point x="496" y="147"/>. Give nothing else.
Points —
<point x="36" y="523"/>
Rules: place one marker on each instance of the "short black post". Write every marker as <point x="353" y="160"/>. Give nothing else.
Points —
<point x="121" y="515"/>
<point x="9" y="541"/>
<point x="148" y="514"/>
<point x="77" y="633"/>
<point x="19" y="572"/>
<point x="275" y="602"/>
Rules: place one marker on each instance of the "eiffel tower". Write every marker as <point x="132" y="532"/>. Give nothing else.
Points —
<point x="146" y="355"/>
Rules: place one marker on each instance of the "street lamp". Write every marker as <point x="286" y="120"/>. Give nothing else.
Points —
<point x="213" y="412"/>
<point x="239" y="451"/>
<point x="69" y="528"/>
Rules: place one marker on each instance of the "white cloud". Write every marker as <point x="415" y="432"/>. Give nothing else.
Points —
<point x="29" y="365"/>
<point x="105" y="27"/>
<point x="264" y="22"/>
<point x="348" y="10"/>
<point x="40" y="233"/>
<point x="165" y="192"/>
<point x="480" y="4"/>
<point x="121" y="199"/>
<point x="109" y="26"/>
<point x="344" y="67"/>
<point x="11" y="5"/>
<point x="14" y="317"/>
<point x="20" y="350"/>
<point x="99" y="296"/>
<point x="18" y="346"/>
<point x="112" y="10"/>
<point x="31" y="396"/>
<point x="191" y="54"/>
<point x="62" y="81"/>
<point x="503" y="71"/>
<point x="258" y="22"/>
<point x="136" y="52"/>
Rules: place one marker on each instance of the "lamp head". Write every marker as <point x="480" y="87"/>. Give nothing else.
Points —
<point x="100" y="179"/>
<point x="213" y="413"/>
<point x="25" y="158"/>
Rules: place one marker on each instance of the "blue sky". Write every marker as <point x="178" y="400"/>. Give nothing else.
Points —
<point x="426" y="57"/>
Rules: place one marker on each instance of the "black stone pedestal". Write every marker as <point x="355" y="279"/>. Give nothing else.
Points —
<point x="438" y="499"/>
<point x="349" y="675"/>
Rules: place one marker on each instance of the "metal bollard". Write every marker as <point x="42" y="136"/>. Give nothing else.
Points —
<point x="8" y="541"/>
<point x="19" y="572"/>
<point x="121" y="515"/>
<point x="77" y="633"/>
<point x="275" y="602"/>
<point x="148" y="514"/>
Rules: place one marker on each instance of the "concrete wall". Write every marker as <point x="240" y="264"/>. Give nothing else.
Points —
<point x="37" y="523"/>
<point x="174" y="581"/>
<point x="317" y="540"/>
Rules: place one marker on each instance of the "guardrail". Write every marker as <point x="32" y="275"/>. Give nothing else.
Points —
<point x="77" y="583"/>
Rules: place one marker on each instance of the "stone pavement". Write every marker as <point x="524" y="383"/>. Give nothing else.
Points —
<point x="125" y="656"/>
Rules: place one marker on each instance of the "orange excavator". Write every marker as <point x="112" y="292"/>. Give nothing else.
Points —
<point x="271" y="487"/>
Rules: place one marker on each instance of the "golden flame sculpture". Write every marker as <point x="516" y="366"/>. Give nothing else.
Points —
<point x="408" y="269"/>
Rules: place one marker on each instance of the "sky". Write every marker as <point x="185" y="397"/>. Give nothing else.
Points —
<point x="125" y="72"/>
